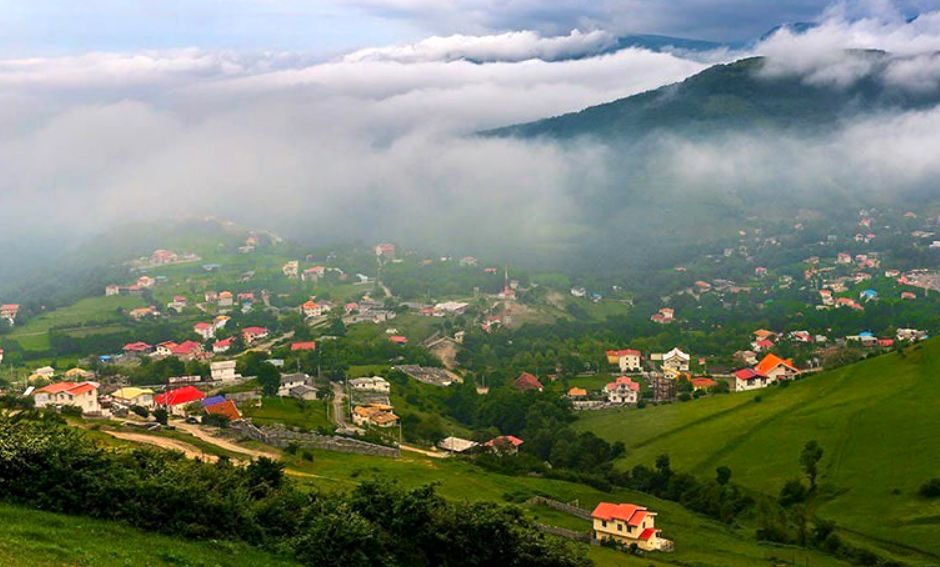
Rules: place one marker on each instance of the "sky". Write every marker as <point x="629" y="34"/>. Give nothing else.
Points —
<point x="355" y="119"/>
<point x="323" y="27"/>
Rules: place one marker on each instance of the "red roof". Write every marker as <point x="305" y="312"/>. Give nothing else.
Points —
<point x="139" y="346"/>
<point x="504" y="440"/>
<point x="747" y="374"/>
<point x="623" y="352"/>
<point x="223" y="343"/>
<point x="304" y="345"/>
<point x="772" y="361"/>
<point x="625" y="380"/>
<point x="765" y="344"/>
<point x="226" y="408"/>
<point x="647" y="533"/>
<point x="81" y="389"/>
<point x="703" y="382"/>
<point x="57" y="387"/>
<point x="526" y="382"/>
<point x="201" y="326"/>
<point x="630" y="513"/>
<point x="184" y="395"/>
<point x="398" y="339"/>
<point x="186" y="348"/>
<point x="255" y="331"/>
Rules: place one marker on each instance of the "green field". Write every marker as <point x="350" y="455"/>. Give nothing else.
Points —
<point x="88" y="316"/>
<point x="699" y="541"/>
<point x="44" y="539"/>
<point x="292" y="412"/>
<point x="876" y="421"/>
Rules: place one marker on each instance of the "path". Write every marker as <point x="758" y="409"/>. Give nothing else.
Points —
<point x="191" y="451"/>
<point x="265" y="346"/>
<point x="425" y="452"/>
<point x="224" y="444"/>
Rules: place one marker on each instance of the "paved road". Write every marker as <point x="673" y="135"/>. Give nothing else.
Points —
<point x="339" y="409"/>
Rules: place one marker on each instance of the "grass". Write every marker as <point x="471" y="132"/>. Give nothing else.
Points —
<point x="876" y="421"/>
<point x="88" y="316"/>
<point x="699" y="541"/>
<point x="35" y="538"/>
<point x="291" y="412"/>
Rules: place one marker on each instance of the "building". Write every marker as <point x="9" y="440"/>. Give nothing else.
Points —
<point x="506" y="444"/>
<point x="749" y="379"/>
<point x="457" y="445"/>
<point x="112" y="289"/>
<point x="776" y="368"/>
<point x="398" y="340"/>
<point x="141" y="313"/>
<point x="303" y="392"/>
<point x="385" y="250"/>
<point x="911" y="335"/>
<point x="290" y="381"/>
<point x="83" y="395"/>
<point x="378" y="415"/>
<point x="628" y="360"/>
<point x="623" y="390"/>
<point x="313" y="274"/>
<point x="303" y="346"/>
<point x="675" y="361"/>
<point x="703" y="383"/>
<point x="131" y="396"/>
<point x="664" y="316"/>
<point x="222" y="346"/>
<point x="204" y="330"/>
<point x="187" y="350"/>
<point x="139" y="348"/>
<point x="175" y="401"/>
<point x="577" y="393"/>
<point x="628" y="524"/>
<point x="527" y="382"/>
<point x="312" y="309"/>
<point x="252" y="334"/>
<point x="218" y="405"/>
<point x="291" y="268"/>
<point x="223" y="371"/>
<point x="226" y="299"/>
<point x="373" y="384"/>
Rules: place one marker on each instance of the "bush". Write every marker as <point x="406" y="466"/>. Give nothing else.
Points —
<point x="71" y="411"/>
<point x="307" y="456"/>
<point x="161" y="416"/>
<point x="140" y="410"/>
<point x="930" y="489"/>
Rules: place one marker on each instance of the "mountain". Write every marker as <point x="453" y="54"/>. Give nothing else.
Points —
<point x="666" y="43"/>
<point x="732" y="96"/>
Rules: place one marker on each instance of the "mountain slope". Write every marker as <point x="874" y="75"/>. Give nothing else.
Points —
<point x="738" y="95"/>
<point x="876" y="421"/>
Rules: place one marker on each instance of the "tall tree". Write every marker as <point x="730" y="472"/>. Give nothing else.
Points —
<point x="809" y="461"/>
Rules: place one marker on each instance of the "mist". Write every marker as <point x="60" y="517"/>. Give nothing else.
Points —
<point x="381" y="143"/>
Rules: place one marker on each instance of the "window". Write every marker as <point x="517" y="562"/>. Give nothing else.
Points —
<point x="619" y="527"/>
<point x="604" y="523"/>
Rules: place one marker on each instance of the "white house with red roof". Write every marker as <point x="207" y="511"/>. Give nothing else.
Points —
<point x="187" y="350"/>
<point x="313" y="274"/>
<point x="138" y="348"/>
<point x="222" y="346"/>
<point x="204" y="330"/>
<point x="623" y="390"/>
<point x="628" y="360"/>
<point x="628" y="524"/>
<point x="175" y="401"/>
<point x="79" y="394"/>
<point x="252" y="334"/>
<point x="8" y="312"/>
<point x="750" y="379"/>
<point x="507" y="444"/>
<point x="311" y="309"/>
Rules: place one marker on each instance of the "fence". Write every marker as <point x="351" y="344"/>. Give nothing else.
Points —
<point x="282" y="437"/>
<point x="560" y="506"/>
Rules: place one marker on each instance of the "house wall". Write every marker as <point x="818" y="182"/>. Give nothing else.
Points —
<point x="630" y="362"/>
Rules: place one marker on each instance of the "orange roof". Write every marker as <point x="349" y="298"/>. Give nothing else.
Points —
<point x="630" y="513"/>
<point x="772" y="361"/>
<point x="763" y="333"/>
<point x="527" y="381"/>
<point x="81" y="389"/>
<point x="303" y="345"/>
<point x="575" y="392"/>
<point x="57" y="387"/>
<point x="703" y="383"/>
<point x="226" y="408"/>
<point x="623" y="352"/>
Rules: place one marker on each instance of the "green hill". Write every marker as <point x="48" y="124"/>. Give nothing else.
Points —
<point x="732" y="96"/>
<point x="876" y="421"/>
<point x="44" y="539"/>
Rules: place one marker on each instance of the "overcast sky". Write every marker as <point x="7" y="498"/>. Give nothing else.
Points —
<point x="48" y="27"/>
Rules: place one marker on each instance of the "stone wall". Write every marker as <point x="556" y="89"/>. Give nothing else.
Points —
<point x="561" y="507"/>
<point x="281" y="437"/>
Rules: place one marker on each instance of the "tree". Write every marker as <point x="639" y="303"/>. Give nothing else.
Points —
<point x="809" y="461"/>
<point x="723" y="475"/>
<point x="269" y="379"/>
<point x="160" y="415"/>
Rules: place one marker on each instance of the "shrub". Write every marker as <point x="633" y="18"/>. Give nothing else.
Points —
<point x="140" y="410"/>
<point x="930" y="489"/>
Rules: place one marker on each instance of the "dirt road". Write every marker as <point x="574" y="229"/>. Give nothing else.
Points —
<point x="425" y="452"/>
<point x="224" y="444"/>
<point x="190" y="451"/>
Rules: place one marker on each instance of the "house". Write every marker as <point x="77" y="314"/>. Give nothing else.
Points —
<point x="675" y="361"/>
<point x="291" y="268"/>
<point x="378" y="415"/>
<point x="303" y="392"/>
<point x="825" y="296"/>
<point x="749" y="379"/>
<point x="776" y="368"/>
<point x="747" y="357"/>
<point x="623" y="390"/>
<point x="303" y="346"/>
<point x="627" y="524"/>
<point x="313" y="274"/>
<point x="204" y="330"/>
<point x="175" y="401"/>
<point x="137" y="349"/>
<point x="112" y="289"/>
<point x="246" y="297"/>
<point x="79" y="373"/>
<point x="869" y="295"/>
<point x="252" y="334"/>
<point x="457" y="445"/>
<point x="385" y="250"/>
<point x="373" y="384"/>
<point x="703" y="383"/>
<point x="398" y="340"/>
<point x="311" y="309"/>
<point x="45" y="372"/>
<point x="801" y="336"/>
<point x="577" y="393"/>
<point x="223" y="371"/>
<point x="886" y="343"/>
<point x="907" y="295"/>
<point x="289" y="381"/>
<point x="146" y="282"/>
<point x="527" y="382"/>
<point x="83" y="395"/>
<point x="865" y="338"/>
<point x="226" y="299"/>
<point x="222" y="346"/>
<point x="220" y="321"/>
<point x="450" y="308"/>
<point x="132" y="396"/>
<point x="212" y="296"/>
<point x="843" y="258"/>
<point x="225" y="408"/>
<point x="664" y="316"/>
<point x="141" y="313"/>
<point x="911" y="335"/>
<point x="627" y="359"/>
<point x="506" y="444"/>
<point x="163" y="257"/>
<point x="578" y="291"/>
<point x="165" y="348"/>
<point x="187" y="350"/>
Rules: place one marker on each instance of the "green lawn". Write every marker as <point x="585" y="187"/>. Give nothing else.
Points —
<point x="87" y="316"/>
<point x="876" y="421"/>
<point x="35" y="538"/>
<point x="291" y="412"/>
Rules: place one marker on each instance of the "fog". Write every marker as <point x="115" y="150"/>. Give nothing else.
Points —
<point x="380" y="144"/>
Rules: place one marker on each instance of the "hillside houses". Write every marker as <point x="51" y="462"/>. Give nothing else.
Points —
<point x="375" y="415"/>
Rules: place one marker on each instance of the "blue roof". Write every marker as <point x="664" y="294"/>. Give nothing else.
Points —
<point x="869" y="292"/>
<point x="866" y="334"/>
<point x="206" y="402"/>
